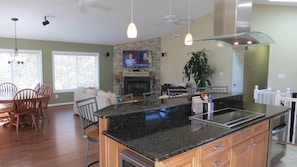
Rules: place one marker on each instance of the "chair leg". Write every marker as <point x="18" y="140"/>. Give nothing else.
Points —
<point x="17" y="124"/>
<point x="86" y="156"/>
<point x="34" y="121"/>
<point x="44" y="113"/>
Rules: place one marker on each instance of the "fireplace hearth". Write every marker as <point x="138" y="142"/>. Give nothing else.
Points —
<point x="136" y="85"/>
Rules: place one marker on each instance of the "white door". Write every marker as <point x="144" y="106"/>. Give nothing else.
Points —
<point x="237" y="77"/>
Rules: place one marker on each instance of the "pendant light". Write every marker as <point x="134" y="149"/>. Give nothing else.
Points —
<point x="15" y="57"/>
<point x="189" y="37"/>
<point x="132" y="30"/>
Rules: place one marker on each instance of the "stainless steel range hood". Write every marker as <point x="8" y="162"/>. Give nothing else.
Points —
<point x="232" y="24"/>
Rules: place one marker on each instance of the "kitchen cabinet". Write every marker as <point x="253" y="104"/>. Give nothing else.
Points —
<point x="163" y="134"/>
<point x="244" y="148"/>
<point x="252" y="148"/>
<point x="186" y="159"/>
<point x="216" y="153"/>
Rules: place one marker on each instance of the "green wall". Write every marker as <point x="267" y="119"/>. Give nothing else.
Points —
<point x="106" y="63"/>
<point x="256" y="63"/>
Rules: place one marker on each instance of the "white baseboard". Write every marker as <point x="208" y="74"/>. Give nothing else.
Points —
<point x="60" y="104"/>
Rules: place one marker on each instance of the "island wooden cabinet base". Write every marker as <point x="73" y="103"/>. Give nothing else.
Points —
<point x="247" y="147"/>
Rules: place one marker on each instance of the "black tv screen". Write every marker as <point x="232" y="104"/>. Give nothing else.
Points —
<point x="137" y="59"/>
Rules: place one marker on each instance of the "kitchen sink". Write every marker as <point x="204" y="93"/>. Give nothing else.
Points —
<point x="227" y="117"/>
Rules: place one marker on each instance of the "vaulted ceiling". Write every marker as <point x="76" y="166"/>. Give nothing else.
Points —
<point x="97" y="21"/>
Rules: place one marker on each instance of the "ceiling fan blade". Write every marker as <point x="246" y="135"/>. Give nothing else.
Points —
<point x="92" y="3"/>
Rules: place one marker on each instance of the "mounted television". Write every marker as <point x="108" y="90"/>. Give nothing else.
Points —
<point x="137" y="59"/>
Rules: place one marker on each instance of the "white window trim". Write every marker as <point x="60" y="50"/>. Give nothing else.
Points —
<point x="37" y="52"/>
<point x="77" y="54"/>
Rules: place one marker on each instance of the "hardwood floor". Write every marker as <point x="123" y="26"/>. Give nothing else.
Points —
<point x="57" y="142"/>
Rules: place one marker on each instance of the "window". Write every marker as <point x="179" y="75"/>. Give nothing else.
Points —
<point x="75" y="69"/>
<point x="25" y="75"/>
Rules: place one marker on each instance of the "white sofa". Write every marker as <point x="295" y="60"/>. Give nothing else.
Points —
<point x="104" y="98"/>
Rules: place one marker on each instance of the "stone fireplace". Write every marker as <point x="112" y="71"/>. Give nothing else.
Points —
<point x="136" y="85"/>
<point x="152" y="75"/>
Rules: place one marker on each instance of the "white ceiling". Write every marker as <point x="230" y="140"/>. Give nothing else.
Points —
<point x="98" y="22"/>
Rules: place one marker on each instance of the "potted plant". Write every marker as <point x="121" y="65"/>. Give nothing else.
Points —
<point x="198" y="68"/>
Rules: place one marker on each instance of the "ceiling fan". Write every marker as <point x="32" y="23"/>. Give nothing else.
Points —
<point x="91" y="3"/>
<point x="171" y="18"/>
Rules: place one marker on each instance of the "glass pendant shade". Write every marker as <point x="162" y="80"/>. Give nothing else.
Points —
<point x="189" y="39"/>
<point x="132" y="30"/>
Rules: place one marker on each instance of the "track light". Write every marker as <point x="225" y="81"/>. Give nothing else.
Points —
<point x="45" y="22"/>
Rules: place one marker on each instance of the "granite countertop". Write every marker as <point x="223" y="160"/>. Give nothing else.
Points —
<point x="129" y="108"/>
<point x="162" y="131"/>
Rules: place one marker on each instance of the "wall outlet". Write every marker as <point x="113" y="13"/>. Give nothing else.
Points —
<point x="56" y="96"/>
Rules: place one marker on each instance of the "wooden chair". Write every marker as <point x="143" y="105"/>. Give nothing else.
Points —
<point x="42" y="105"/>
<point x="6" y="89"/>
<point x="89" y="122"/>
<point x="24" y="108"/>
<point x="37" y="87"/>
<point x="150" y="96"/>
<point x="41" y="88"/>
<point x="4" y="114"/>
<point x="287" y="102"/>
<point x="127" y="98"/>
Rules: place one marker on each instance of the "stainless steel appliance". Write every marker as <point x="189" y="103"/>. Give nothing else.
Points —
<point x="232" y="24"/>
<point x="130" y="159"/>
<point x="277" y="139"/>
<point x="227" y="117"/>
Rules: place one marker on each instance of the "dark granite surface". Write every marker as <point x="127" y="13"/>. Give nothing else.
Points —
<point x="123" y="109"/>
<point x="160" y="131"/>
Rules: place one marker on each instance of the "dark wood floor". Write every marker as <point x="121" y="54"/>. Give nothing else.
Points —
<point x="57" y="142"/>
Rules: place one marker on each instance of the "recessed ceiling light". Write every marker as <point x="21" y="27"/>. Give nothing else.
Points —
<point x="283" y="0"/>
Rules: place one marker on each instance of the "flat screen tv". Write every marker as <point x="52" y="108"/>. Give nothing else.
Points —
<point x="137" y="59"/>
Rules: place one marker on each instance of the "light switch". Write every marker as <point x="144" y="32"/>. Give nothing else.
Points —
<point x="281" y="76"/>
<point x="221" y="73"/>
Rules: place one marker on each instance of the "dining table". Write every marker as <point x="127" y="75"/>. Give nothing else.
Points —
<point x="9" y="98"/>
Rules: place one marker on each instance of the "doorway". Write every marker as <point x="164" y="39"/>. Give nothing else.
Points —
<point x="237" y="71"/>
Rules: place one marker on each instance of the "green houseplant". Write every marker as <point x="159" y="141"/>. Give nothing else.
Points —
<point x="198" y="68"/>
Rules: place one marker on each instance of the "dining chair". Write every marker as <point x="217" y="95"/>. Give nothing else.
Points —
<point x="6" y="89"/>
<point x="24" y="108"/>
<point x="42" y="105"/>
<point x="37" y="87"/>
<point x="89" y="123"/>
<point x="288" y="102"/>
<point x="4" y="114"/>
<point x="41" y="88"/>
<point x="150" y="96"/>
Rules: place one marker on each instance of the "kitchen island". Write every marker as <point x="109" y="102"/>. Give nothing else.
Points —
<point x="163" y="133"/>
